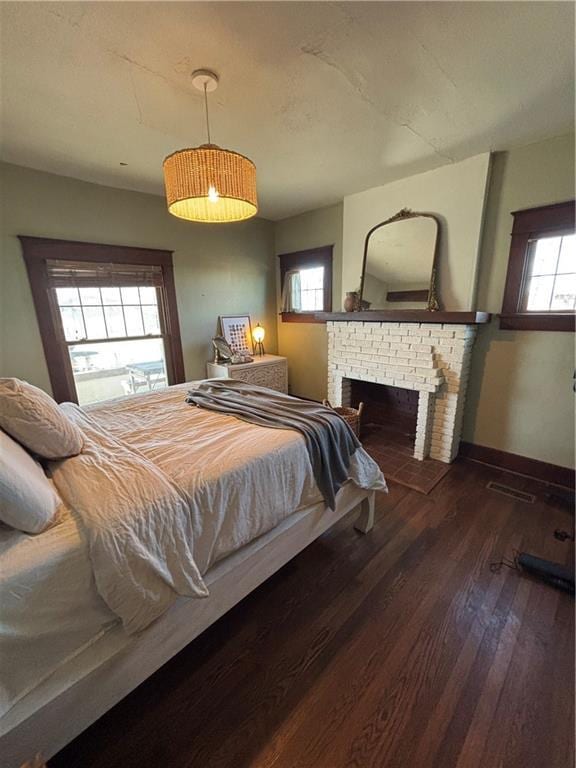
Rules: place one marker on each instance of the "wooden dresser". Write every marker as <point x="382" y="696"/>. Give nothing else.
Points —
<point x="266" y="371"/>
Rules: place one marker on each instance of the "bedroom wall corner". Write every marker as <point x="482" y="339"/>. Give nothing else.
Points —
<point x="219" y="269"/>
<point x="520" y="397"/>
<point x="306" y="344"/>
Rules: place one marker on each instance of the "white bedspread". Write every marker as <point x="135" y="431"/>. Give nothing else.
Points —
<point x="137" y="524"/>
<point x="237" y="481"/>
<point x="241" y="478"/>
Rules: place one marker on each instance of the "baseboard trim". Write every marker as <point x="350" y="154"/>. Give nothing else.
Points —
<point x="521" y="465"/>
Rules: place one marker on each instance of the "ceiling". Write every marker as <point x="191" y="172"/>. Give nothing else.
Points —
<point x="326" y="98"/>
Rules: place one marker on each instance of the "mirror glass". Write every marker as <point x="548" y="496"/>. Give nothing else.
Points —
<point x="398" y="264"/>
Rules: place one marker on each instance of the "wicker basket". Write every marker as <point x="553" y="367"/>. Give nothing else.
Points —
<point x="352" y="416"/>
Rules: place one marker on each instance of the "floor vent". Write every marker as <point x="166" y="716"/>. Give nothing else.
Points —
<point x="513" y="493"/>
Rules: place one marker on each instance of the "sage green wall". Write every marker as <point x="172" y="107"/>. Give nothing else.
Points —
<point x="305" y="344"/>
<point x="520" y="396"/>
<point x="219" y="269"/>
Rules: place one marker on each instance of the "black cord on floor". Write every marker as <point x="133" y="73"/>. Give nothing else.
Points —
<point x="513" y="564"/>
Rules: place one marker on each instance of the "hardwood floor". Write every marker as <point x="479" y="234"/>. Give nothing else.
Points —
<point x="399" y="649"/>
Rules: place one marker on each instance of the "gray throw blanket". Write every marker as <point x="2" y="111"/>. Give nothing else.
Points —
<point x="329" y="440"/>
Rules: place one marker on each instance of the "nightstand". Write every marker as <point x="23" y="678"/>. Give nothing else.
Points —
<point x="266" y="371"/>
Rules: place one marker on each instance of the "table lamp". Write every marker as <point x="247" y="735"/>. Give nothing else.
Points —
<point x="258" y="335"/>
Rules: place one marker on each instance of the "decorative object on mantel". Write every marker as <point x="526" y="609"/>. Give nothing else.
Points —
<point x="237" y="330"/>
<point x="353" y="303"/>
<point x="258" y="335"/>
<point x="208" y="183"/>
<point x="352" y="416"/>
<point x="400" y="262"/>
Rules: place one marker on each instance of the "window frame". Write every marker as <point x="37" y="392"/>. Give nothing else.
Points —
<point x="308" y="259"/>
<point x="529" y="224"/>
<point x="38" y="250"/>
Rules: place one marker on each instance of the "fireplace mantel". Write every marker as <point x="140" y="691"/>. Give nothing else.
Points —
<point x="406" y="316"/>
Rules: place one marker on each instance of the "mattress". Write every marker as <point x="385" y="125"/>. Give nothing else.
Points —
<point x="246" y="479"/>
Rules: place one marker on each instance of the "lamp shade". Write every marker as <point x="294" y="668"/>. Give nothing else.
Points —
<point x="210" y="184"/>
<point x="258" y="334"/>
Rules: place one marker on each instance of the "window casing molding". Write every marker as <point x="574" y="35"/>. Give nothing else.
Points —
<point x="530" y="224"/>
<point x="37" y="251"/>
<point x="312" y="257"/>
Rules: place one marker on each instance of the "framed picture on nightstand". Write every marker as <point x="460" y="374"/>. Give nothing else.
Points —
<point x="237" y="330"/>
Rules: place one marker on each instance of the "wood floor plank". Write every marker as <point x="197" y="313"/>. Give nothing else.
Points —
<point x="417" y="751"/>
<point x="400" y="649"/>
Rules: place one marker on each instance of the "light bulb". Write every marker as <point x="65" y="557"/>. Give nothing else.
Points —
<point x="213" y="194"/>
<point x="258" y="334"/>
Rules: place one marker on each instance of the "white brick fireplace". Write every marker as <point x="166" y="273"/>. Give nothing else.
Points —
<point x="431" y="358"/>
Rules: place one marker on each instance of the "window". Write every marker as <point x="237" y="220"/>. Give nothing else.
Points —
<point x="107" y="318"/>
<point x="306" y="282"/>
<point x="540" y="292"/>
<point x="550" y="284"/>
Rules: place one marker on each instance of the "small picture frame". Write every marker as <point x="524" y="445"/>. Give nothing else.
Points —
<point x="237" y="330"/>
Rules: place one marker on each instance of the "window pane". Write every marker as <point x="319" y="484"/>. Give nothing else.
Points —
<point x="133" y="317"/>
<point x="148" y="295"/>
<point x="115" y="321"/>
<point x="130" y="296"/>
<point x="312" y="278"/>
<point x="95" y="326"/>
<point x="539" y="294"/>
<point x="117" y="368"/>
<point x="545" y="255"/>
<point x="73" y="323"/>
<point x="567" y="261"/>
<point x="151" y="320"/>
<point x="312" y="301"/>
<point x="90" y="296"/>
<point x="111" y="295"/>
<point x="67" y="296"/>
<point x="312" y="289"/>
<point x="107" y="313"/>
<point x="564" y="294"/>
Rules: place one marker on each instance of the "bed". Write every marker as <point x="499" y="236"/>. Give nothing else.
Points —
<point x="66" y="656"/>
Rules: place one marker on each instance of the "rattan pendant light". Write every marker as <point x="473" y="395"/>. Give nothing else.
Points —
<point x="207" y="183"/>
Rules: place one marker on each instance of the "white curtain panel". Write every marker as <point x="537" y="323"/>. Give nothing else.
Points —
<point x="291" y="295"/>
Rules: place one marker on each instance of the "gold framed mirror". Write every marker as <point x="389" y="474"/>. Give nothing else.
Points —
<point x="400" y="263"/>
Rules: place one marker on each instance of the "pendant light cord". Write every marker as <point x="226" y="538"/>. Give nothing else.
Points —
<point x="206" y="107"/>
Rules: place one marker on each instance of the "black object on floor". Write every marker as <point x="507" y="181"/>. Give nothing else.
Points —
<point x="563" y="535"/>
<point x="563" y="496"/>
<point x="554" y="574"/>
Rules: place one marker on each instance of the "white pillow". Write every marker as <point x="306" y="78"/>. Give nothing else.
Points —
<point x="36" y="421"/>
<point x="27" y="499"/>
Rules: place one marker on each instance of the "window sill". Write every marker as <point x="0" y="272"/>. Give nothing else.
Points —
<point x="536" y="321"/>
<point x="301" y="317"/>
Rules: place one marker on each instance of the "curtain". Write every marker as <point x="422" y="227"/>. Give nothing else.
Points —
<point x="291" y="294"/>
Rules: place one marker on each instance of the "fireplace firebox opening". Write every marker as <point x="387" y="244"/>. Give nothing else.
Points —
<point x="390" y="414"/>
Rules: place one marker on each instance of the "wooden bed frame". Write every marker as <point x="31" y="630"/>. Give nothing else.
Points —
<point x="48" y="726"/>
